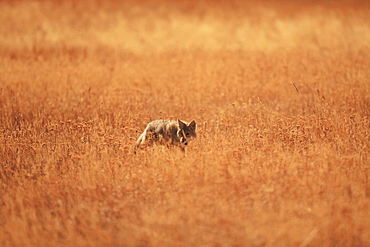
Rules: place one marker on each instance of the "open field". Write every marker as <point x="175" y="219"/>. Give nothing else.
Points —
<point x="280" y="92"/>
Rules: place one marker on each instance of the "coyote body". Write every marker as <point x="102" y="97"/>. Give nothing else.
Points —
<point x="167" y="132"/>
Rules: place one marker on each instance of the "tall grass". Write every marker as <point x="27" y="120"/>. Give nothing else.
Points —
<point x="280" y="93"/>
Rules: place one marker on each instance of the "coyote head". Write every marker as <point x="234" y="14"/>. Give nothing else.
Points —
<point x="186" y="131"/>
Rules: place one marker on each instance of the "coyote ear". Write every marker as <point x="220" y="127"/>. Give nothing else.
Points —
<point x="193" y="124"/>
<point x="181" y="123"/>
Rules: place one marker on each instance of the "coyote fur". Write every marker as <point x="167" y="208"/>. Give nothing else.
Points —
<point x="167" y="132"/>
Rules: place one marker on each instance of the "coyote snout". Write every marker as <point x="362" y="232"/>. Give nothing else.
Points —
<point x="167" y="132"/>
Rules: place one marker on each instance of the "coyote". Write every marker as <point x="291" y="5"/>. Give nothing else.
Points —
<point x="167" y="132"/>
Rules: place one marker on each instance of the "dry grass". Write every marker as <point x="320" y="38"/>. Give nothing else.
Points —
<point x="280" y="92"/>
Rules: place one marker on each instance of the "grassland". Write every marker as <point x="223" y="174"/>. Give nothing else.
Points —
<point x="280" y="92"/>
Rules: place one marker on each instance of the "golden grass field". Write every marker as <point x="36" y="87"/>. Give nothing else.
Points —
<point x="280" y="91"/>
